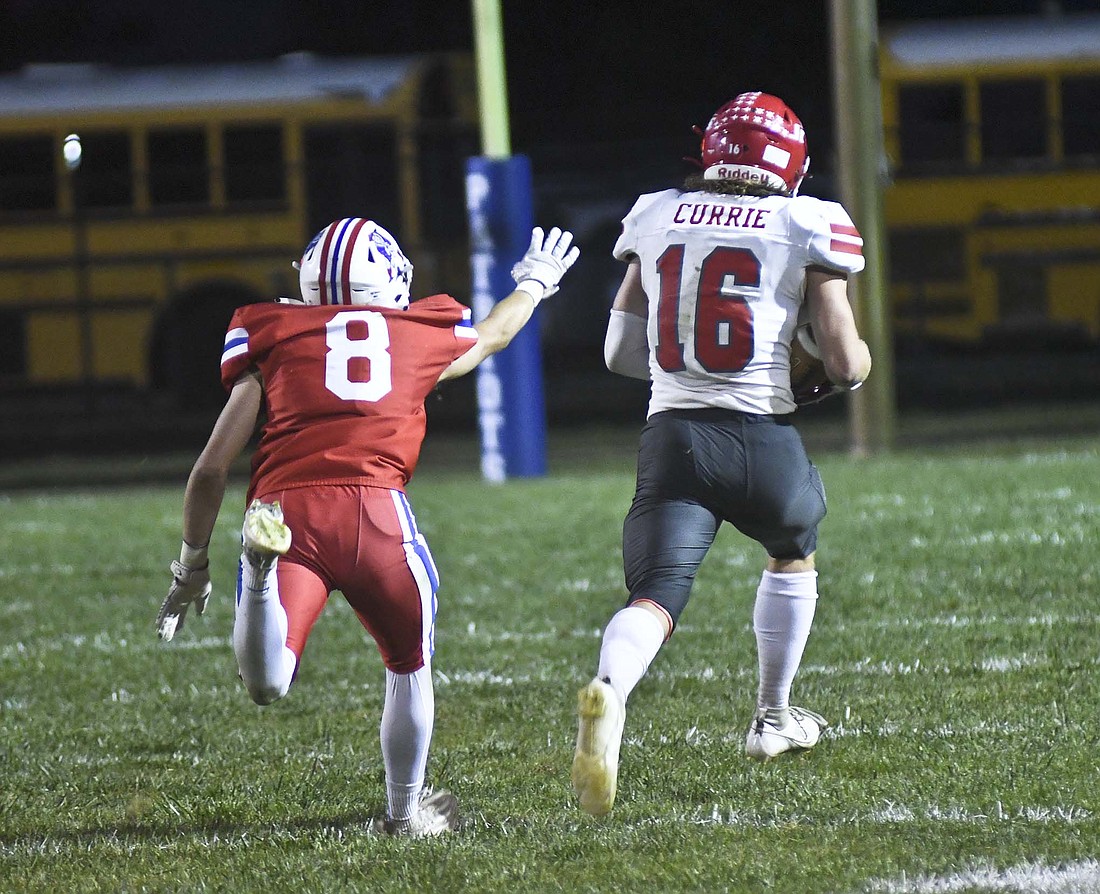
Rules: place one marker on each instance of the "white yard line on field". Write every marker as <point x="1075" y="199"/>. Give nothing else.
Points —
<point x="1029" y="878"/>
<point x="891" y="814"/>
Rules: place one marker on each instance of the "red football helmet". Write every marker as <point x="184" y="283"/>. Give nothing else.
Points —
<point x="756" y="137"/>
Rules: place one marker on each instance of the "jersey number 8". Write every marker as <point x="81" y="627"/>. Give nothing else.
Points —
<point x="343" y="349"/>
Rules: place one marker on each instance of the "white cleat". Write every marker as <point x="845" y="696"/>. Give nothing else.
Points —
<point x="265" y="535"/>
<point x="801" y="732"/>
<point x="437" y="813"/>
<point x="601" y="715"/>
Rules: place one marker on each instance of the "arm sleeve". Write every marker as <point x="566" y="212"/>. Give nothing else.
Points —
<point x="626" y="345"/>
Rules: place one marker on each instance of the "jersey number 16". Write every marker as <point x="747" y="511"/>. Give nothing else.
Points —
<point x="723" y="334"/>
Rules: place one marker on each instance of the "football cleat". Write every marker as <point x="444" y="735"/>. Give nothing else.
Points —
<point x="601" y="715"/>
<point x="766" y="739"/>
<point x="265" y="535"/>
<point x="437" y="813"/>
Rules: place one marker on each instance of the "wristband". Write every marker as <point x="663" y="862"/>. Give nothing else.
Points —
<point x="532" y="287"/>
<point x="194" y="557"/>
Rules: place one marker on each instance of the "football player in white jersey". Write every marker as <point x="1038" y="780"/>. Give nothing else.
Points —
<point x="719" y="275"/>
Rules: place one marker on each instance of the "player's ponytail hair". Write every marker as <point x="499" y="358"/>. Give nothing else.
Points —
<point x="696" y="183"/>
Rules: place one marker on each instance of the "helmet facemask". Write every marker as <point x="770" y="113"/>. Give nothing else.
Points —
<point x="354" y="261"/>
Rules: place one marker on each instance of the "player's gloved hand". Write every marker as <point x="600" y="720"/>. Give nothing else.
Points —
<point x="545" y="262"/>
<point x="189" y="585"/>
<point x="809" y="381"/>
<point x="812" y="394"/>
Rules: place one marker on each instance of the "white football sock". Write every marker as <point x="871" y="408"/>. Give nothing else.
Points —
<point x="259" y="635"/>
<point x="408" y="717"/>
<point x="630" y="643"/>
<point x="781" y="619"/>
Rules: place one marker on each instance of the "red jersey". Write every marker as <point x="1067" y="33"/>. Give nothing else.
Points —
<point x="344" y="387"/>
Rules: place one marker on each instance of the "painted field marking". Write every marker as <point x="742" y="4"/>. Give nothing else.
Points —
<point x="1082" y="877"/>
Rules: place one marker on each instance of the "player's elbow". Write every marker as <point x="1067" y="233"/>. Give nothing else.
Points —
<point x="490" y="341"/>
<point x="610" y="360"/>
<point x="849" y="367"/>
<point x="208" y="475"/>
<point x="625" y="347"/>
<point x="611" y="356"/>
<point x="632" y="366"/>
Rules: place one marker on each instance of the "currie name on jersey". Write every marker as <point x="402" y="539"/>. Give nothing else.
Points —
<point x="721" y="215"/>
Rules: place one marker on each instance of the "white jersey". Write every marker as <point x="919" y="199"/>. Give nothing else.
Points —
<point x="726" y="277"/>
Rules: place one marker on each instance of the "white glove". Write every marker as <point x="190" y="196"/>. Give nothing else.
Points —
<point x="188" y="585"/>
<point x="540" y="270"/>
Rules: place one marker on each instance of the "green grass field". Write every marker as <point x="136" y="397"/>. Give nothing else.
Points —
<point x="955" y="651"/>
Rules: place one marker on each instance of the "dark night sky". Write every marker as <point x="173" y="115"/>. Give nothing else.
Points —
<point x="579" y="71"/>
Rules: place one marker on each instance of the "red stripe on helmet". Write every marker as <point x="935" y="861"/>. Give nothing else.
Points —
<point x="325" y="248"/>
<point x="345" y="264"/>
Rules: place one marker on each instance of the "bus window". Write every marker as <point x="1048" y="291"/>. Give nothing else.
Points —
<point x="442" y="178"/>
<point x="105" y="166"/>
<point x="352" y="170"/>
<point x="927" y="254"/>
<point x="177" y="167"/>
<point x="1021" y="294"/>
<point x="26" y="174"/>
<point x="1080" y="123"/>
<point x="1014" y="120"/>
<point x="254" y="167"/>
<point x="931" y="127"/>
<point x="13" y="341"/>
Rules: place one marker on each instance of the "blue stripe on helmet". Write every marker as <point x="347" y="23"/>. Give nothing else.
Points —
<point x="335" y="262"/>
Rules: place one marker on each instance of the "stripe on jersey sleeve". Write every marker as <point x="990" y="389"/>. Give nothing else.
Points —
<point x="846" y="239"/>
<point x="465" y="327"/>
<point x="236" y="343"/>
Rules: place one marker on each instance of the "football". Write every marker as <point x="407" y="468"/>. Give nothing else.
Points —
<point x="808" y="380"/>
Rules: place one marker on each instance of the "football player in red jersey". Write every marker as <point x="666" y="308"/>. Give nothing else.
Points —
<point x="342" y="376"/>
<point x="719" y="275"/>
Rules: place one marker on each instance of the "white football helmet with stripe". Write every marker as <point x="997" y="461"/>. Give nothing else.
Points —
<point x="354" y="261"/>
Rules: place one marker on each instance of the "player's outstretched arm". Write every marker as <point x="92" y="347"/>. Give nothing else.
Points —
<point x="537" y="275"/>
<point x="202" y="501"/>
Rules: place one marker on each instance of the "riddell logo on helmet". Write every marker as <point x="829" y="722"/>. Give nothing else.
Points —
<point x="746" y="174"/>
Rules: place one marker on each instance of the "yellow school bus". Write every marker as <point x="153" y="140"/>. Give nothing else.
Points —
<point x="185" y="191"/>
<point x="993" y="208"/>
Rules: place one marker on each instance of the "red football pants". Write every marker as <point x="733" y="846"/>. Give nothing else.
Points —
<point x="362" y="541"/>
